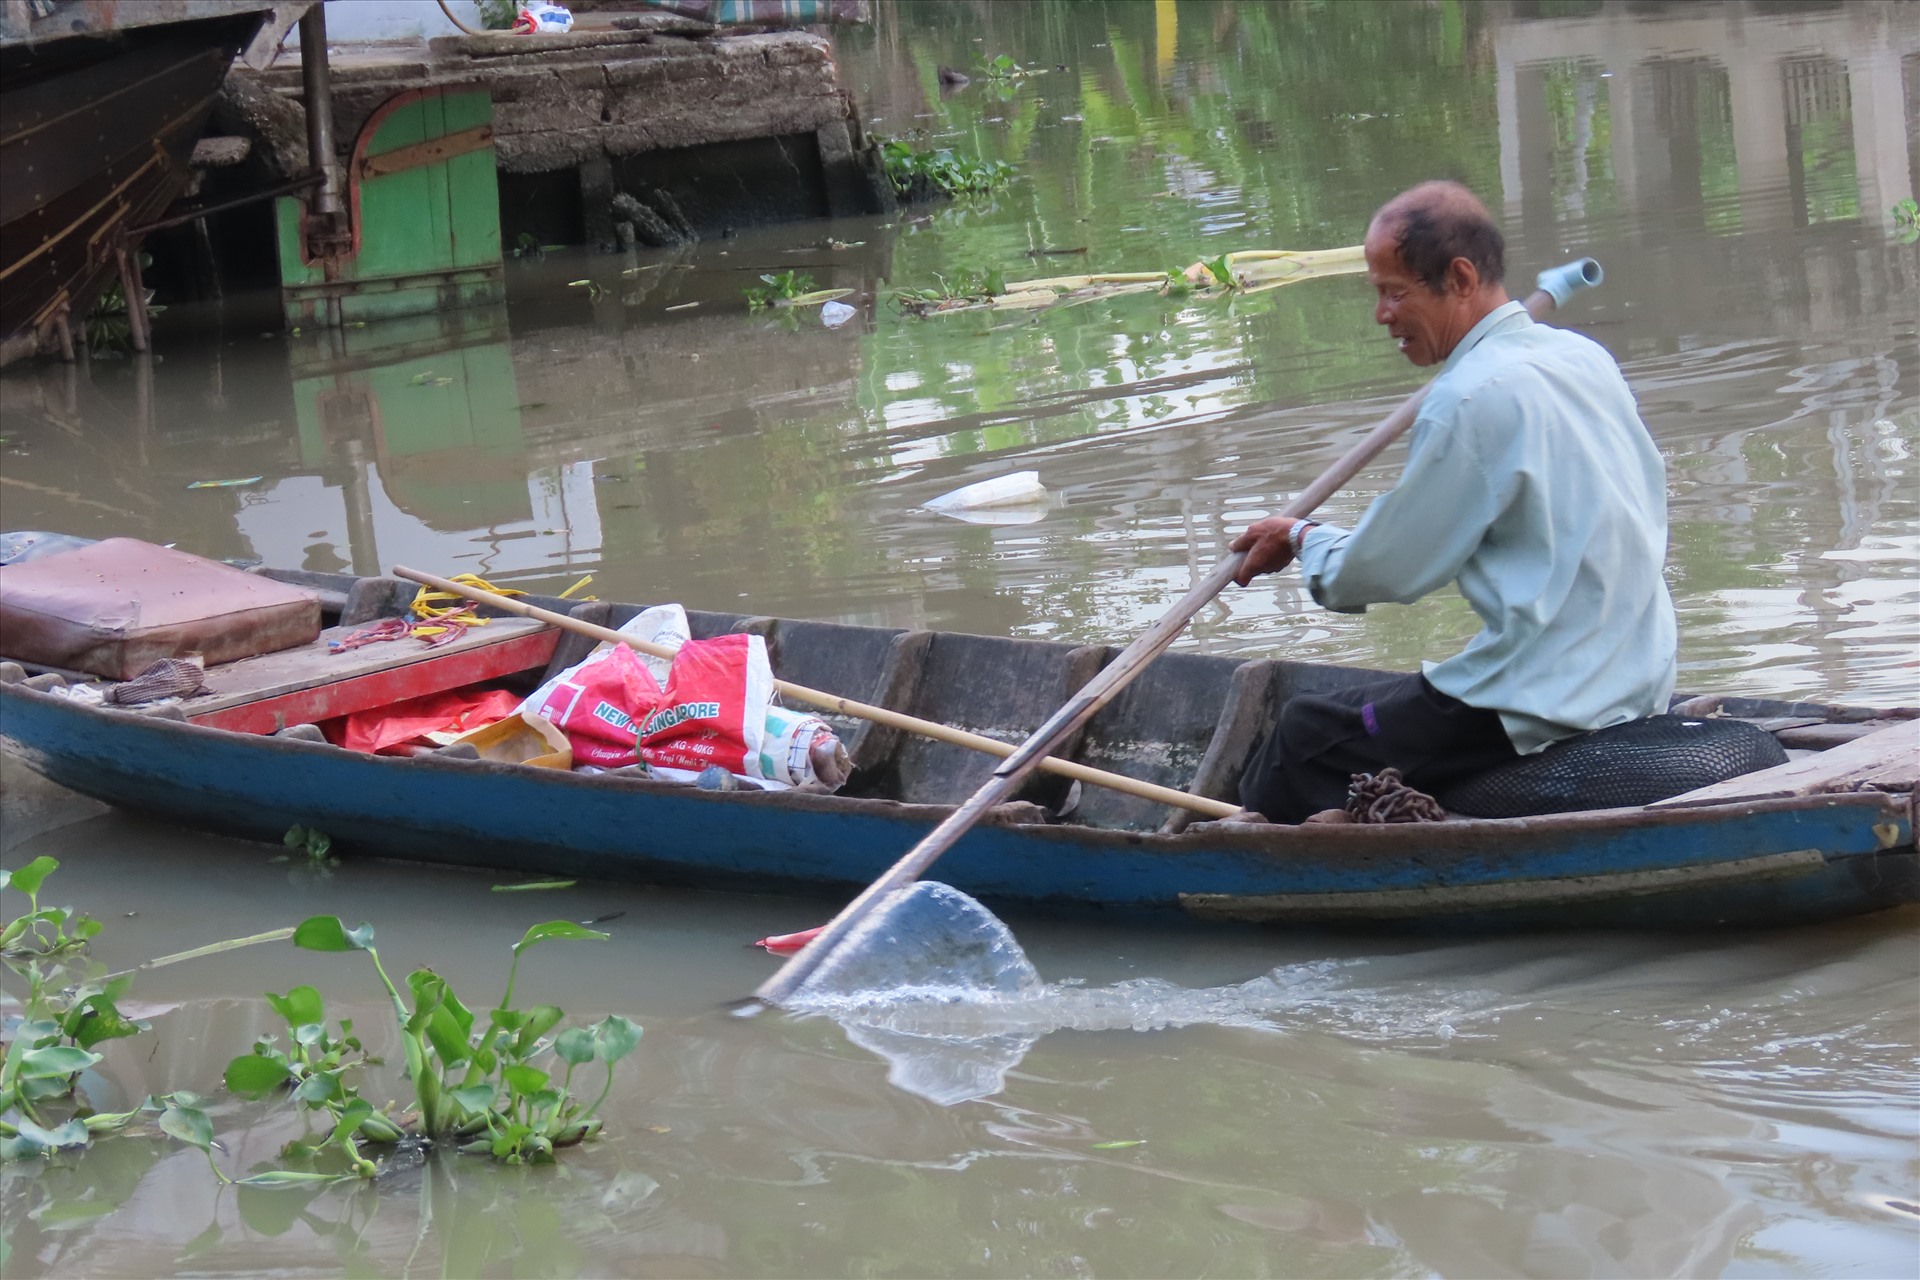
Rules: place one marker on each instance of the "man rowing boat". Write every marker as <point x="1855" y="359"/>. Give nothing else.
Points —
<point x="1531" y="484"/>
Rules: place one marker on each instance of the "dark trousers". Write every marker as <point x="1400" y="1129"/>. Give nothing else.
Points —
<point x="1320" y="740"/>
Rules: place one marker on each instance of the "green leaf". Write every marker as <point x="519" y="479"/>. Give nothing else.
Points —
<point x="614" y="1038"/>
<point x="475" y="1099"/>
<point x="1124" y="1142"/>
<point x="558" y="929"/>
<point x="524" y="1079"/>
<point x="29" y="878"/>
<point x="251" y="1075"/>
<point x="448" y="1038"/>
<point x="433" y="992"/>
<point x="574" y="1046"/>
<point x="510" y="1138"/>
<point x="55" y="1061"/>
<point x="541" y="1019"/>
<point x="532" y="885"/>
<point x="320" y="1087"/>
<point x="35" y="1140"/>
<point x="189" y="1124"/>
<point x="326" y="933"/>
<point x="349" y="1118"/>
<point x="95" y="1019"/>
<point x="300" y="1005"/>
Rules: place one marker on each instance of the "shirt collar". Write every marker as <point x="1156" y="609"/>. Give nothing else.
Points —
<point x="1494" y="319"/>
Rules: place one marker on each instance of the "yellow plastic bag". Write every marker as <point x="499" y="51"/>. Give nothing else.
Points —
<point x="523" y="738"/>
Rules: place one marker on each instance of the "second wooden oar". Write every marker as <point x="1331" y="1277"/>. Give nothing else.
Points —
<point x="846" y="706"/>
<point x="1116" y="675"/>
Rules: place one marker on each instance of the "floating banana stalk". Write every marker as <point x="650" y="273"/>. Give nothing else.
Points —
<point x="1248" y="271"/>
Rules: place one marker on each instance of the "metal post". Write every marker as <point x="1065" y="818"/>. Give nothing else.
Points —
<point x="317" y="87"/>
<point x="63" y="326"/>
<point x="130" y="292"/>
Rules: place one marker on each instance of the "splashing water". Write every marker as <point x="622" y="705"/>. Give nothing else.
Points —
<point x="936" y="985"/>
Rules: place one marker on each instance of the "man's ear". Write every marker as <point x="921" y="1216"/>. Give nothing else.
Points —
<point x="1463" y="278"/>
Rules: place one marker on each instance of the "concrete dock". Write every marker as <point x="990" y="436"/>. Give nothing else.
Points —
<point x="712" y="130"/>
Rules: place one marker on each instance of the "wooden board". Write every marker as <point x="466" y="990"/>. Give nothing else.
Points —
<point x="1888" y="760"/>
<point x="312" y="683"/>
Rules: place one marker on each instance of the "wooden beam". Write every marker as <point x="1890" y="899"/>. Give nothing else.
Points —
<point x="1888" y="760"/>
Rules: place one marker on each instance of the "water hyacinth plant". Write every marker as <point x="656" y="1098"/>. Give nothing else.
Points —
<point x="474" y="1084"/>
<point x="921" y="175"/>
<point x="70" y="1007"/>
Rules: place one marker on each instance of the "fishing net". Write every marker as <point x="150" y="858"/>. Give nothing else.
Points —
<point x="926" y="946"/>
<point x="1629" y="764"/>
<point x="926" y="941"/>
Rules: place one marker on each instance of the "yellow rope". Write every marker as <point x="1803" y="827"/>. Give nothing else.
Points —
<point x="427" y="604"/>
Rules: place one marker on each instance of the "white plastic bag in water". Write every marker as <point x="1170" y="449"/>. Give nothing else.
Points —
<point x="542" y="18"/>
<point x="1018" y="498"/>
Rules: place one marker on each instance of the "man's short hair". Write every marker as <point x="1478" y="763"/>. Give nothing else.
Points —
<point x="1441" y="221"/>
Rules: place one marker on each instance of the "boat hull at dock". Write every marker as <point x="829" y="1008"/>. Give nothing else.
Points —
<point x="1762" y="861"/>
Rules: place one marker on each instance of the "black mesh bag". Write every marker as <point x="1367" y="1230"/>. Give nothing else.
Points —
<point x="1628" y="764"/>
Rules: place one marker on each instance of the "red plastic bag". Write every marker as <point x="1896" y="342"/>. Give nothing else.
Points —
<point x="391" y="729"/>
<point x="714" y="709"/>
<point x="598" y="706"/>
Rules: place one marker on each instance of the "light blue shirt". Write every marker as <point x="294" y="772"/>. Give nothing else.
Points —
<point x="1533" y="485"/>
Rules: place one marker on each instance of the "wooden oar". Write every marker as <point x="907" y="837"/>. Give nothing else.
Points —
<point x="846" y="706"/>
<point x="1097" y="692"/>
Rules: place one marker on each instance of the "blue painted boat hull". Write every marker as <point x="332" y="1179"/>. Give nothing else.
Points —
<point x="1752" y="863"/>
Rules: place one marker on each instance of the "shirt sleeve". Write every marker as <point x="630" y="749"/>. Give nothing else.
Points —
<point x="1415" y="538"/>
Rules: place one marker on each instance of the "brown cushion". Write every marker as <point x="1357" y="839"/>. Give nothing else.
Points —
<point x="117" y="606"/>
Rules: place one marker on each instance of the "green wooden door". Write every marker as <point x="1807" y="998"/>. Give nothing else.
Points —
<point x="423" y="203"/>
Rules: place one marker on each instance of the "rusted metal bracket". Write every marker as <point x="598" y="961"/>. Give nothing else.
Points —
<point x="432" y="151"/>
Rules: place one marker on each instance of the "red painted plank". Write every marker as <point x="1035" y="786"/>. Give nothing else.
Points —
<point x="380" y="688"/>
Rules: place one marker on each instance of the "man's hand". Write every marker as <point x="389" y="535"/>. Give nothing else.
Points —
<point x="1266" y="545"/>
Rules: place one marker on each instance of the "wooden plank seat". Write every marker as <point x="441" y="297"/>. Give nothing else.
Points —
<point x="312" y="683"/>
<point x="1888" y="760"/>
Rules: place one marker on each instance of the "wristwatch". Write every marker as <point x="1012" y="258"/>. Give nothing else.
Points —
<point x="1297" y="535"/>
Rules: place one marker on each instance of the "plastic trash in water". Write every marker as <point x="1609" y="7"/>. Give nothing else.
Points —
<point x="835" y="314"/>
<point x="1018" y="498"/>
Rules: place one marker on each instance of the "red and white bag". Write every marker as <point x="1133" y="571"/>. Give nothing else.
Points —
<point x="716" y="709"/>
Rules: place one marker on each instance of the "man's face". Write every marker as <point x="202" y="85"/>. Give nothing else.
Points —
<point x="1422" y="321"/>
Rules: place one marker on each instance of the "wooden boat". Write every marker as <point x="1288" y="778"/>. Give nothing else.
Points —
<point x="100" y="107"/>
<point x="1825" y="835"/>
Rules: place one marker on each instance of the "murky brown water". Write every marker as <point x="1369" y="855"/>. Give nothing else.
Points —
<point x="1548" y="1106"/>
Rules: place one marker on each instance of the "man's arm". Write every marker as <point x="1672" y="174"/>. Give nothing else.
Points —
<point x="1411" y="541"/>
